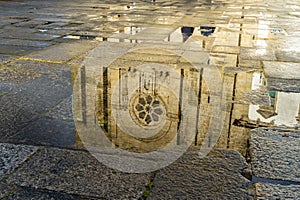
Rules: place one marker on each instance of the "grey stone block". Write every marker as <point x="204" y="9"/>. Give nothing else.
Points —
<point x="13" y="192"/>
<point x="63" y="52"/>
<point x="29" y="101"/>
<point x="45" y="131"/>
<point x="216" y="176"/>
<point x="276" y="191"/>
<point x="276" y="154"/>
<point x="77" y="172"/>
<point x="284" y="85"/>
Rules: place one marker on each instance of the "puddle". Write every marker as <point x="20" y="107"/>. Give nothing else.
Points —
<point x="182" y="34"/>
<point x="140" y="103"/>
<point x="282" y="108"/>
<point x="116" y="36"/>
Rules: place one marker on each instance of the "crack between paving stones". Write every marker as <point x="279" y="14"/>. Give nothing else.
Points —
<point x="274" y="181"/>
<point x="148" y="187"/>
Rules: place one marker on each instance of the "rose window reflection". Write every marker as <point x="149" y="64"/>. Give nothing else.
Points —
<point x="148" y="109"/>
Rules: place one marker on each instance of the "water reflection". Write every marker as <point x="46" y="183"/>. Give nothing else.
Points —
<point x="282" y="109"/>
<point x="144" y="106"/>
<point x="182" y="34"/>
<point x="126" y="90"/>
<point x="187" y="32"/>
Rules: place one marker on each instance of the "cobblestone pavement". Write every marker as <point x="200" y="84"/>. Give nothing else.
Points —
<point x="50" y="50"/>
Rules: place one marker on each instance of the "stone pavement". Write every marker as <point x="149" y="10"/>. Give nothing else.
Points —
<point x="275" y="163"/>
<point x="254" y="44"/>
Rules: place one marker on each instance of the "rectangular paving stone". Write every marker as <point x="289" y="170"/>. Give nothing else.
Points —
<point x="42" y="68"/>
<point x="152" y="34"/>
<point x="16" y="50"/>
<point x="277" y="191"/>
<point x="29" y="43"/>
<point x="63" y="52"/>
<point x="216" y="176"/>
<point x="12" y="192"/>
<point x="30" y="100"/>
<point x="45" y="131"/>
<point x="12" y="156"/>
<point x="275" y="154"/>
<point x="77" y="172"/>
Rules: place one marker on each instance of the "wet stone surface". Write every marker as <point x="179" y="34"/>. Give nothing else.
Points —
<point x="12" y="156"/>
<point x="29" y="91"/>
<point x="77" y="172"/>
<point x="216" y="176"/>
<point x="275" y="163"/>
<point x="282" y="164"/>
<point x="276" y="191"/>
<point x="12" y="192"/>
<point x="43" y="49"/>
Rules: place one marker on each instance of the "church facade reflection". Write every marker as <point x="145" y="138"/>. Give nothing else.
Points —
<point x="142" y="105"/>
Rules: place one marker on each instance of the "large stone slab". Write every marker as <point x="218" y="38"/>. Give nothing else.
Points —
<point x="216" y="176"/>
<point x="276" y="154"/>
<point x="63" y="52"/>
<point x="77" y="172"/>
<point x="46" y="131"/>
<point x="16" y="50"/>
<point x="20" y="42"/>
<point x="288" y="56"/>
<point x="31" y="100"/>
<point x="12" y="192"/>
<point x="277" y="191"/>
<point x="12" y="156"/>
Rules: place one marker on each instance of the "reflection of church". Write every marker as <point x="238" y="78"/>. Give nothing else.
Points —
<point x="283" y="107"/>
<point x="147" y="98"/>
<point x="144" y="106"/>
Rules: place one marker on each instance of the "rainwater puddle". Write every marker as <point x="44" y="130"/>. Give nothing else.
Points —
<point x="149" y="98"/>
<point x="162" y="86"/>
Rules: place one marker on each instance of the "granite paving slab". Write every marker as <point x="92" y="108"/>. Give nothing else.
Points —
<point x="21" y="42"/>
<point x="216" y="176"/>
<point x="16" y="50"/>
<point x="276" y="191"/>
<point x="63" y="52"/>
<point x="276" y="154"/>
<point x="46" y="131"/>
<point x="13" y="192"/>
<point x="29" y="101"/>
<point x="78" y="173"/>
